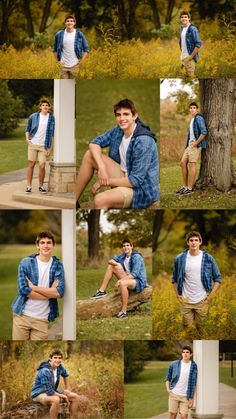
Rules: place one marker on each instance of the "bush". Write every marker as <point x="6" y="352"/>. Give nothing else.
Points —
<point x="9" y="109"/>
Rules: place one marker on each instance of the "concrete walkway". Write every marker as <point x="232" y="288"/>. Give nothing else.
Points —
<point x="13" y="196"/>
<point x="227" y="404"/>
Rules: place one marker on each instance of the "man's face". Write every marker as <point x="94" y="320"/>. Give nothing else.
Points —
<point x="127" y="248"/>
<point x="194" y="243"/>
<point x="45" y="247"/>
<point x="193" y="110"/>
<point x="55" y="361"/>
<point x="70" y="23"/>
<point x="185" y="20"/>
<point x="125" y="119"/>
<point x="186" y="355"/>
<point x="44" y="108"/>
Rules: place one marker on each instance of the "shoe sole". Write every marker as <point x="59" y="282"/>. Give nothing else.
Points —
<point x="97" y="298"/>
<point x="42" y="192"/>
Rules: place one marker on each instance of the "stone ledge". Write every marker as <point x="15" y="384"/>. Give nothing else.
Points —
<point x="57" y="202"/>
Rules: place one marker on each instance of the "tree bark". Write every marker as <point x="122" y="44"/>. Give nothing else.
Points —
<point x="7" y="7"/>
<point x="46" y="14"/>
<point x="110" y="305"/>
<point x="157" y="224"/>
<point x="155" y="13"/>
<point x="29" y="20"/>
<point x="218" y="98"/>
<point x="93" y="234"/>
<point x="129" y="22"/>
<point x="170" y="7"/>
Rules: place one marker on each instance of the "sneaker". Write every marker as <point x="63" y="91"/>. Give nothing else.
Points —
<point x="28" y="189"/>
<point x="121" y="315"/>
<point x="42" y="189"/>
<point x="181" y="190"/>
<point x="187" y="192"/>
<point x="77" y="205"/>
<point x="99" y="294"/>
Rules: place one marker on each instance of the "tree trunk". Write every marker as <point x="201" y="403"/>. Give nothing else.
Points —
<point x="93" y="234"/>
<point x="218" y="98"/>
<point x="157" y="224"/>
<point x="7" y="7"/>
<point x="170" y="7"/>
<point x="29" y="20"/>
<point x="110" y="305"/>
<point x="155" y="13"/>
<point x="129" y="22"/>
<point x="46" y="14"/>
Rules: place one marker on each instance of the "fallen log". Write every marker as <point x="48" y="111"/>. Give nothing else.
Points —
<point x="110" y="305"/>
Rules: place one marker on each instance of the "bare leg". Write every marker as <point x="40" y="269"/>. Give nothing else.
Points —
<point x="112" y="198"/>
<point x="117" y="270"/>
<point x="192" y="169"/>
<point x="124" y="285"/>
<point x="41" y="173"/>
<point x="183" y="416"/>
<point x="184" y="168"/>
<point x="54" y="402"/>
<point x="30" y="172"/>
<point x="74" y="403"/>
<point x="173" y="415"/>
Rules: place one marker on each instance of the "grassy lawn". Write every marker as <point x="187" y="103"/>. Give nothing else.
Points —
<point x="96" y="116"/>
<point x="147" y="394"/>
<point x="171" y="181"/>
<point x="13" y="151"/>
<point x="10" y="257"/>
<point x="225" y="374"/>
<point x="137" y="326"/>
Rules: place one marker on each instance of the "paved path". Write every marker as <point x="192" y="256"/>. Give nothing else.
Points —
<point x="227" y="403"/>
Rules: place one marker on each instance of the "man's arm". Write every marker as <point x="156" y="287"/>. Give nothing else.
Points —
<point x="200" y="138"/>
<point x="66" y="383"/>
<point x="214" y="289"/>
<point x="96" y="152"/>
<point x="46" y="292"/>
<point x="33" y="295"/>
<point x="167" y="386"/>
<point x="85" y="56"/>
<point x="195" y="51"/>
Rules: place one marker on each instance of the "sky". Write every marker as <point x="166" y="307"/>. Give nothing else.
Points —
<point x="171" y="85"/>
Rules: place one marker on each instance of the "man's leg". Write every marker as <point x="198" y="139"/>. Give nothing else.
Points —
<point x="21" y="328"/>
<point x="192" y="170"/>
<point x="30" y="172"/>
<point x="41" y="173"/>
<point x="188" y="314"/>
<point x="183" y="408"/>
<point x="64" y="74"/>
<point x="125" y="285"/>
<point x="117" y="270"/>
<point x="189" y="67"/>
<point x="39" y="329"/>
<point x="112" y="198"/>
<point x="74" y="400"/>
<point x="200" y="313"/>
<point x="54" y="401"/>
<point x="184" y="168"/>
<point x="173" y="406"/>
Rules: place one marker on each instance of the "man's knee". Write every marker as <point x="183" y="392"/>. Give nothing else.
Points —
<point x="42" y="164"/>
<point x="88" y="156"/>
<point x="183" y="163"/>
<point x="173" y="415"/>
<point x="32" y="164"/>
<point x="55" y="400"/>
<point x="99" y="201"/>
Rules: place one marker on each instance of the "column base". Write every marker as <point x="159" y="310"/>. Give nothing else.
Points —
<point x="207" y="416"/>
<point x="62" y="177"/>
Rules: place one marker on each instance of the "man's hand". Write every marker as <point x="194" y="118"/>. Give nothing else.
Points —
<point x="30" y="283"/>
<point x="64" y="397"/>
<point x="112" y="262"/>
<point x="97" y="185"/>
<point x="103" y="176"/>
<point x="188" y="58"/>
<point x="192" y="144"/>
<point x="55" y="283"/>
<point x="48" y="151"/>
<point x="29" y="142"/>
<point x="190" y="403"/>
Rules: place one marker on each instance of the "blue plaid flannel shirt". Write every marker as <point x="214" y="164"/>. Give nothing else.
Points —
<point x="192" y="40"/>
<point x="136" y="267"/>
<point x="209" y="271"/>
<point x="28" y="267"/>
<point x="141" y="161"/>
<point x="199" y="127"/>
<point x="44" y="380"/>
<point x="33" y="124"/>
<point x="173" y="375"/>
<point x="80" y="45"/>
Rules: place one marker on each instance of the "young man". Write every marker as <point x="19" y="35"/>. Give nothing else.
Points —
<point x="131" y="168"/>
<point x="40" y="284"/>
<point x="195" y="142"/>
<point x="189" y="44"/>
<point x="70" y="48"/>
<point x="129" y="268"/>
<point x="46" y="382"/>
<point x="39" y="136"/>
<point x="194" y="272"/>
<point x="181" y="381"/>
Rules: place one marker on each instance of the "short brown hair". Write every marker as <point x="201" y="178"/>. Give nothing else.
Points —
<point x="56" y="351"/>
<point x="127" y="241"/>
<point x="127" y="104"/>
<point x="70" y="17"/>
<point x="193" y="104"/>
<point x="185" y="13"/>
<point x="44" y="101"/>
<point x="187" y="348"/>
<point x="44" y="234"/>
<point x="193" y="234"/>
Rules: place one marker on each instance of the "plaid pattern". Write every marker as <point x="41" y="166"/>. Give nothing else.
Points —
<point x="44" y="380"/>
<point x="173" y="375"/>
<point x="209" y="271"/>
<point x="29" y="267"/>
<point x="199" y="127"/>
<point x="192" y="40"/>
<point x="142" y="164"/>
<point x="33" y="124"/>
<point x="137" y="268"/>
<point x="80" y="46"/>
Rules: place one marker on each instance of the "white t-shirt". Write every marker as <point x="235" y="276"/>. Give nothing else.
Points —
<point x="192" y="136"/>
<point x="55" y="375"/>
<point x="39" y="137"/>
<point x="39" y="309"/>
<point x="180" y="389"/>
<point x="184" y="51"/>
<point x="68" y="56"/>
<point x="193" y="289"/>
<point x="126" y="264"/>
<point x="123" y="150"/>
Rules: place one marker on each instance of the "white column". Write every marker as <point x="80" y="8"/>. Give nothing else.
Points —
<point x="64" y="112"/>
<point x="69" y="258"/>
<point x="206" y="355"/>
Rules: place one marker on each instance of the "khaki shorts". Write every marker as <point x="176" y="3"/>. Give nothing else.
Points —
<point x="178" y="403"/>
<point x="41" y="398"/>
<point x="189" y="67"/>
<point x="70" y="72"/>
<point x="35" y="151"/>
<point x="126" y="192"/>
<point x="192" y="154"/>
<point x="194" y="313"/>
<point x="29" y="328"/>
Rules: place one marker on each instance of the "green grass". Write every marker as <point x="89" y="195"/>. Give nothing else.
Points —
<point x="146" y="396"/>
<point x="225" y="374"/>
<point x="171" y="180"/>
<point x="96" y="116"/>
<point x="13" y="151"/>
<point x="10" y="257"/>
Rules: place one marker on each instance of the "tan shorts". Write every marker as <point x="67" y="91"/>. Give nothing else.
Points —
<point x="189" y="67"/>
<point x="192" y="154"/>
<point x="41" y="398"/>
<point x="29" y="328"/>
<point x="35" y="151"/>
<point x="178" y="403"/>
<point x="194" y="313"/>
<point x="70" y="72"/>
<point x="126" y="192"/>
